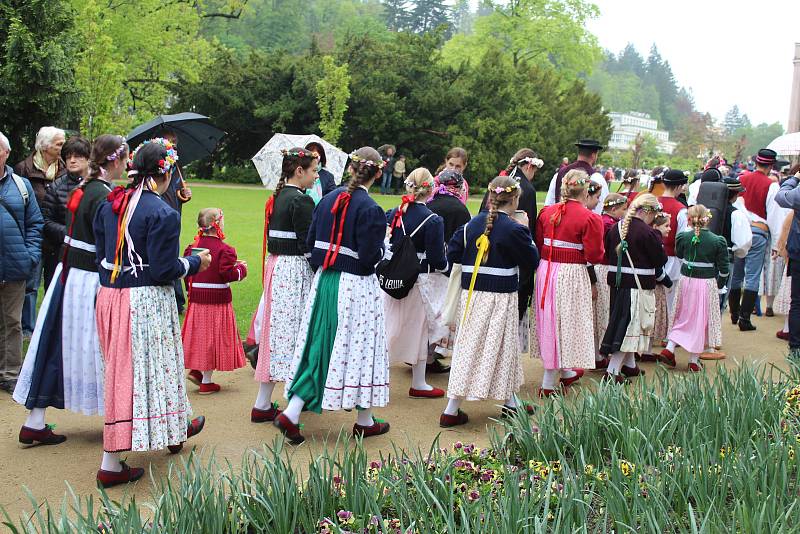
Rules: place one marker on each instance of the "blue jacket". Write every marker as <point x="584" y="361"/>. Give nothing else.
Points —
<point x="155" y="229"/>
<point x="19" y="251"/>
<point x="363" y="232"/>
<point x="788" y="196"/>
<point x="428" y="240"/>
<point x="510" y="247"/>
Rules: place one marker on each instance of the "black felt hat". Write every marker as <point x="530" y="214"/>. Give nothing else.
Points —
<point x="675" y="177"/>
<point x="589" y="143"/>
<point x="711" y="175"/>
<point x="733" y="184"/>
<point x="766" y="156"/>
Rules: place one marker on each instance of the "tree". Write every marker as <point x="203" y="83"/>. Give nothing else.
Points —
<point x="396" y="14"/>
<point x="659" y="74"/>
<point x="429" y="15"/>
<point x="463" y="17"/>
<point x="37" y="64"/>
<point x="332" y="93"/>
<point x="735" y="120"/>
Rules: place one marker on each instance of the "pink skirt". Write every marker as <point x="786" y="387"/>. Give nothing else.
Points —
<point x="211" y="339"/>
<point x="406" y="327"/>
<point x="690" y="324"/>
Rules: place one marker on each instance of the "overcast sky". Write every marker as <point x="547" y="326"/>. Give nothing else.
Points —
<point x="717" y="48"/>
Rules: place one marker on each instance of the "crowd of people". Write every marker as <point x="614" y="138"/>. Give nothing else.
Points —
<point x="596" y="280"/>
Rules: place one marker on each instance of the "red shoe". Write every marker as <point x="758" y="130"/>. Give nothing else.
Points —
<point x="601" y="365"/>
<point x="108" y="479"/>
<point x="632" y="371"/>
<point x="695" y="367"/>
<point x="434" y="393"/>
<point x="45" y="436"/>
<point x="447" y="420"/>
<point x="614" y="379"/>
<point x="208" y="389"/>
<point x="507" y="412"/>
<point x="289" y="429"/>
<point x="571" y="380"/>
<point x="667" y="358"/>
<point x="263" y="416"/>
<point x="195" y="377"/>
<point x="377" y="428"/>
<point x="195" y="426"/>
<point x="780" y="334"/>
<point x="548" y="393"/>
<point x="648" y="357"/>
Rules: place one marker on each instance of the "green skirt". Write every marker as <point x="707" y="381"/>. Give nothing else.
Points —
<point x="312" y="371"/>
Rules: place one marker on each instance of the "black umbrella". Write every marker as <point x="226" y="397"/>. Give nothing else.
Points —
<point x="197" y="137"/>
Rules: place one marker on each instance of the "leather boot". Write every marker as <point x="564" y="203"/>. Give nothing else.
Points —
<point x="748" y="303"/>
<point x="734" y="298"/>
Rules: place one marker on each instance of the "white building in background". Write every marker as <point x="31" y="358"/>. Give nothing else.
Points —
<point x="628" y="125"/>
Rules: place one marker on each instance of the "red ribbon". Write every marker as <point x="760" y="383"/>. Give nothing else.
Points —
<point x="340" y="204"/>
<point x="555" y="220"/>
<point x="268" y="209"/>
<point x="73" y="201"/>
<point x="398" y="215"/>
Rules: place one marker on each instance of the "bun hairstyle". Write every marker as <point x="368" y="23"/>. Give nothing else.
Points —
<point x="698" y="217"/>
<point x="146" y="162"/>
<point x="419" y="183"/>
<point x="292" y="159"/>
<point x="105" y="150"/>
<point x="207" y="216"/>
<point x="523" y="157"/>
<point x="502" y="191"/>
<point x="631" y="176"/>
<point x="365" y="164"/>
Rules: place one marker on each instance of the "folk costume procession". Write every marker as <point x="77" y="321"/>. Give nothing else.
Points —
<point x="350" y="289"/>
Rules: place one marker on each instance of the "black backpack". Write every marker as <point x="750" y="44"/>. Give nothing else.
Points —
<point x="714" y="196"/>
<point x="397" y="272"/>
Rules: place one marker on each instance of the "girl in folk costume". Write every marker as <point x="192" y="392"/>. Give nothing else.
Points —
<point x="631" y="184"/>
<point x="661" y="329"/>
<point x="412" y="322"/>
<point x="210" y="336"/>
<point x="137" y="234"/>
<point x="696" y="322"/>
<point x="634" y="254"/>
<point x="445" y="203"/>
<point x="486" y="357"/>
<point x="340" y="361"/>
<point x="674" y="186"/>
<point x="614" y="207"/>
<point x="64" y="367"/>
<point x="569" y="236"/>
<point x="456" y="160"/>
<point x="287" y="276"/>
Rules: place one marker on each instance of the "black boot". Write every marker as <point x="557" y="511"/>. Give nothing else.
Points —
<point x="734" y="299"/>
<point x="748" y="303"/>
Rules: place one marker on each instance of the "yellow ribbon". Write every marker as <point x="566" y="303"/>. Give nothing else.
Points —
<point x="483" y="246"/>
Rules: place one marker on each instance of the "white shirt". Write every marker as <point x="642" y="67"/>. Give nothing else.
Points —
<point x="775" y="214"/>
<point x="694" y="190"/>
<point x="597" y="178"/>
<point x="741" y="234"/>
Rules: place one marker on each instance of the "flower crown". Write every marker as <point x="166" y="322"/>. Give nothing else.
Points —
<point x="658" y="208"/>
<point x="577" y="181"/>
<point x="509" y="189"/>
<point x="610" y="203"/>
<point x="536" y="162"/>
<point x="299" y="153"/>
<point x="118" y="152"/>
<point x="164" y="165"/>
<point x="423" y="185"/>
<point x="358" y="159"/>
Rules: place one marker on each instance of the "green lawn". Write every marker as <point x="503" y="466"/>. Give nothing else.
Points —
<point x="244" y="226"/>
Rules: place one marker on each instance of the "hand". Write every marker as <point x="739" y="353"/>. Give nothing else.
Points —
<point x="594" y="292"/>
<point x="186" y="194"/>
<point x="242" y="263"/>
<point x="774" y="254"/>
<point x="205" y="260"/>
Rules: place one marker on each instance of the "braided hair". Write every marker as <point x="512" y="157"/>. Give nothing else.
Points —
<point x="645" y="201"/>
<point x="519" y="156"/>
<point x="292" y="159"/>
<point x="573" y="185"/>
<point x="106" y="149"/>
<point x="365" y="166"/>
<point x="502" y="191"/>
<point x="698" y="217"/>
<point x="419" y="183"/>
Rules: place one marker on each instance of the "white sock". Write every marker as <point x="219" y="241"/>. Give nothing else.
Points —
<point x="786" y="324"/>
<point x="207" y="377"/>
<point x="418" y="376"/>
<point x="365" y="418"/>
<point x="264" y="398"/>
<point x="770" y="300"/>
<point x="452" y="406"/>
<point x="35" y="419"/>
<point x="615" y="364"/>
<point x="693" y="358"/>
<point x="550" y="378"/>
<point x="671" y="346"/>
<point x="629" y="360"/>
<point x="294" y="408"/>
<point x="111" y="462"/>
<point x="567" y="373"/>
<point x="512" y="402"/>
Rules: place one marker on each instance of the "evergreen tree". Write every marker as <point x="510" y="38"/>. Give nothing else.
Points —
<point x="462" y="17"/>
<point x="659" y="73"/>
<point x="428" y="15"/>
<point x="396" y="14"/>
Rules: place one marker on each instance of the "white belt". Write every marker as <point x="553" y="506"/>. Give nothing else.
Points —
<point x="280" y="234"/>
<point x="74" y="243"/>
<point x="700" y="264"/>
<point x="494" y="271"/>
<point x="201" y="285"/>
<point x="628" y="270"/>
<point x="324" y="245"/>
<point x="125" y="268"/>
<point x="557" y="243"/>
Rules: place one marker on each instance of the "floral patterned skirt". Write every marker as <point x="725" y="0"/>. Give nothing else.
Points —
<point x="662" y="315"/>
<point x="602" y="305"/>
<point x="146" y="407"/>
<point x="287" y="282"/>
<point x="784" y="297"/>
<point x="772" y="275"/>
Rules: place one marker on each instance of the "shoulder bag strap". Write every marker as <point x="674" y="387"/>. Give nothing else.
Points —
<point x="412" y="234"/>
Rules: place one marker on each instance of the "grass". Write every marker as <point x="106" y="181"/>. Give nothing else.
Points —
<point x="691" y="454"/>
<point x="244" y="228"/>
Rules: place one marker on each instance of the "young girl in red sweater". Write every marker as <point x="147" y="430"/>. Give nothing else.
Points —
<point x="210" y="337"/>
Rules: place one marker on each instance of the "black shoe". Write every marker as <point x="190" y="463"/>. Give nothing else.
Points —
<point x="437" y="367"/>
<point x="746" y="326"/>
<point x="748" y="304"/>
<point x="8" y="385"/>
<point x="734" y="301"/>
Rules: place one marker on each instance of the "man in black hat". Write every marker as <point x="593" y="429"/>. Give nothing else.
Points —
<point x="758" y="204"/>
<point x="588" y="149"/>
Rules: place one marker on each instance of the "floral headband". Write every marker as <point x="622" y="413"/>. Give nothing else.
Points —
<point x="423" y="185"/>
<point x="578" y="181"/>
<point x="509" y="189"/>
<point x="653" y="209"/>
<point x="358" y="159"/>
<point x="118" y="152"/>
<point x="536" y="162"/>
<point x="302" y="153"/>
<point x="611" y="203"/>
<point x="164" y="165"/>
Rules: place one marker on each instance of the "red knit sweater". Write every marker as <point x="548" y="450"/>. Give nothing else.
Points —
<point x="223" y="269"/>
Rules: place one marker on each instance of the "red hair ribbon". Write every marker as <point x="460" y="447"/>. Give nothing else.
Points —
<point x="73" y="201"/>
<point x="341" y="204"/>
<point x="268" y="209"/>
<point x="398" y="215"/>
